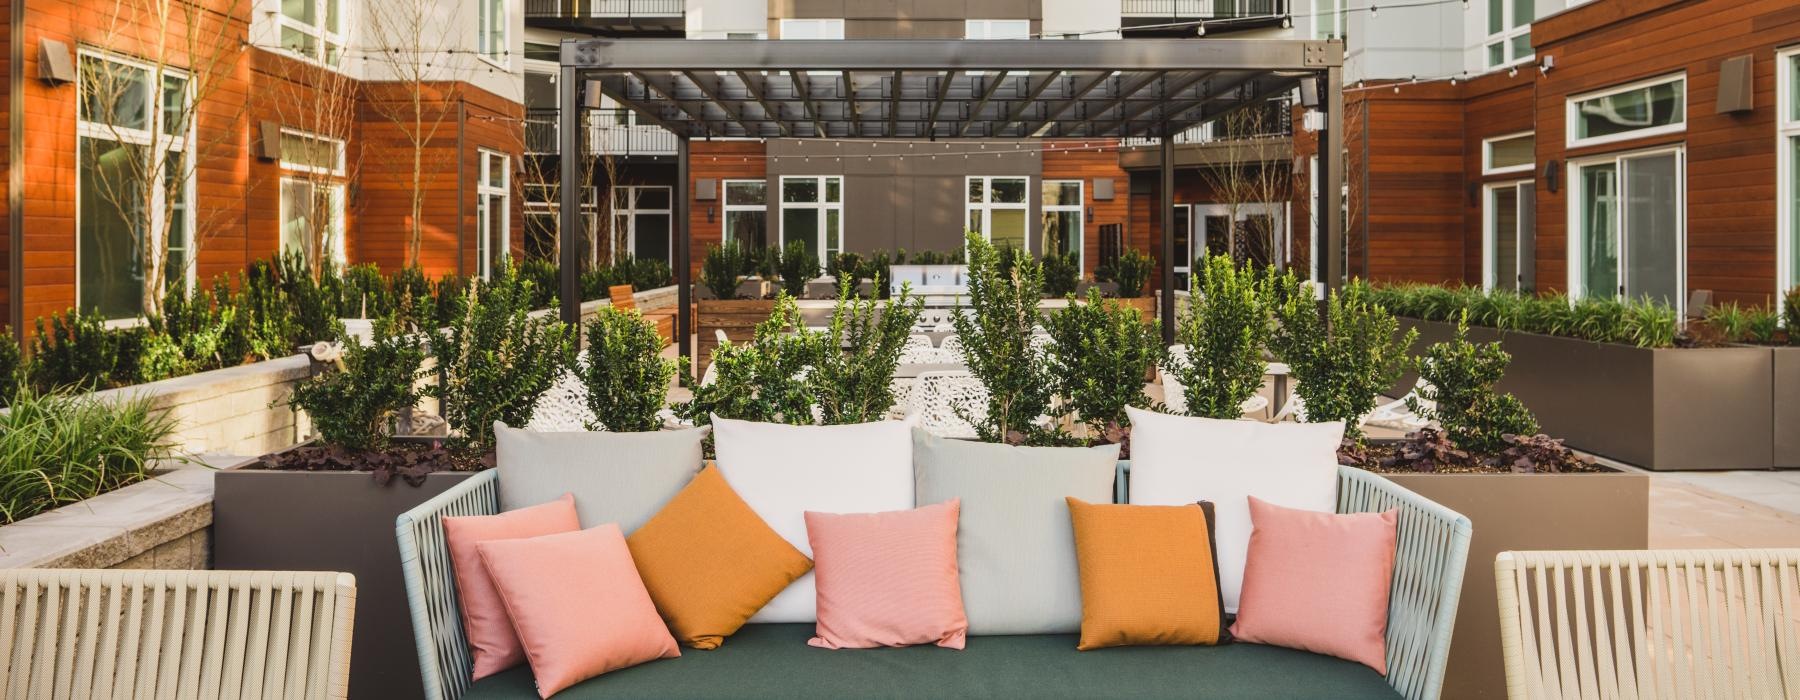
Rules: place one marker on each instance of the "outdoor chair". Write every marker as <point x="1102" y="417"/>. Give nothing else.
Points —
<point x="774" y="660"/>
<point x="1175" y="393"/>
<point x="1397" y="414"/>
<point x="564" y="405"/>
<point x="919" y="351"/>
<point x="621" y="296"/>
<point x="79" y="633"/>
<point x="936" y="397"/>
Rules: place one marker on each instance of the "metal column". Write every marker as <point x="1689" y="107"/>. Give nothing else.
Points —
<point x="568" y="214"/>
<point x="1329" y="200"/>
<point x="684" y="288"/>
<point x="1167" y="193"/>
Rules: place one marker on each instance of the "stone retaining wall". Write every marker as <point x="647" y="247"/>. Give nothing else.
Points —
<point x="161" y="523"/>
<point x="236" y="410"/>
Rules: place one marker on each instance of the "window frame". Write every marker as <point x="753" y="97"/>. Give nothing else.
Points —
<point x="340" y="237"/>
<point x="1079" y="208"/>
<point x="823" y="206"/>
<point x="486" y="195"/>
<point x="1511" y="28"/>
<point x="320" y="33"/>
<point x="1576" y="289"/>
<point x="148" y="137"/>
<point x="987" y="206"/>
<point x="485" y="21"/>
<point x="837" y="22"/>
<point x="550" y="205"/>
<point x="337" y="153"/>
<point x="726" y="207"/>
<point x="1328" y="19"/>
<point x="1787" y="173"/>
<point x="1487" y="154"/>
<point x="987" y="27"/>
<point x="1571" y="116"/>
<point x="1490" y="236"/>
<point x="629" y="214"/>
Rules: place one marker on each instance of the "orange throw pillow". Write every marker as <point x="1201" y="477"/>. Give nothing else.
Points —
<point x="710" y="562"/>
<point x="1147" y="575"/>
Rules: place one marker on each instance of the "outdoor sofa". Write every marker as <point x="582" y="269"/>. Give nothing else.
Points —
<point x="774" y="660"/>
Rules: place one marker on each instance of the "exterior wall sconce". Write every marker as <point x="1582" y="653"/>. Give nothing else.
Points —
<point x="1552" y="173"/>
<point x="709" y="213"/>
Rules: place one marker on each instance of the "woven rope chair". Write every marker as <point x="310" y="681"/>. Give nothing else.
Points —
<point x="81" y="633"/>
<point x="1650" y="624"/>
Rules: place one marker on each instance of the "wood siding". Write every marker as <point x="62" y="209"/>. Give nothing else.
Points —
<point x="1065" y="161"/>
<point x="719" y="161"/>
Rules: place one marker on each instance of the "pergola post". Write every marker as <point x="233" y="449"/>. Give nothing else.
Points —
<point x="568" y="215"/>
<point x="1166" y="305"/>
<point x="684" y="288"/>
<point x="1330" y="197"/>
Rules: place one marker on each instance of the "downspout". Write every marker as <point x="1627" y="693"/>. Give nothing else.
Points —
<point x="462" y="182"/>
<point x="15" y="171"/>
<point x="1367" y="234"/>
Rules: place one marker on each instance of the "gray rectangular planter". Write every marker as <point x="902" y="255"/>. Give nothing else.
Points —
<point x="1787" y="407"/>
<point x="1661" y="409"/>
<point x="1524" y="512"/>
<point x="332" y="521"/>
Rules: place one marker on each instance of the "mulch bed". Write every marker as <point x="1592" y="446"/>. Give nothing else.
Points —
<point x="407" y="460"/>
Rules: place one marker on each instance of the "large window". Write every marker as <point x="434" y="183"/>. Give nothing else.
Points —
<point x="1626" y="217"/>
<point x="542" y="225"/>
<point x="746" y="213"/>
<point x="642" y="217"/>
<point x="1787" y="125"/>
<point x="1505" y="234"/>
<point x="132" y="180"/>
<point x="812" y="211"/>
<point x="1062" y="214"/>
<point x="312" y="197"/>
<point x="812" y="29"/>
<point x="997" y="207"/>
<point x="1513" y="153"/>
<point x="490" y="39"/>
<point x="493" y="213"/>
<point x="1509" y="31"/>
<point x="1328" y="19"/>
<point x="1645" y="108"/>
<point x="313" y="30"/>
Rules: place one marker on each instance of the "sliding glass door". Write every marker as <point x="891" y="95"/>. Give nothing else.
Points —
<point x="1629" y="233"/>
<point x="1505" y="236"/>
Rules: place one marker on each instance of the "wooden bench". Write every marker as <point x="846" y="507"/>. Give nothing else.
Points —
<point x="664" y="319"/>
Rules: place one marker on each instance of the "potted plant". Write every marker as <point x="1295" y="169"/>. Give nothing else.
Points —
<point x="1100" y="353"/>
<point x="725" y="306"/>
<point x="996" y="329"/>
<point x="1223" y="334"/>
<point x="1131" y="272"/>
<point x="1787" y="384"/>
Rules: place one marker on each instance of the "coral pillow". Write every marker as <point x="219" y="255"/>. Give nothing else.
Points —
<point x="887" y="579"/>
<point x="710" y="563"/>
<point x="492" y="642"/>
<point x="1319" y="582"/>
<point x="577" y="604"/>
<point x="1147" y="575"/>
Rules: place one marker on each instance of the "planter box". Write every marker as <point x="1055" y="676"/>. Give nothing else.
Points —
<point x="235" y="410"/>
<point x="332" y="521"/>
<point x="737" y="317"/>
<point x="1787" y="407"/>
<point x="1524" y="512"/>
<point x="159" y="523"/>
<point x="1661" y="409"/>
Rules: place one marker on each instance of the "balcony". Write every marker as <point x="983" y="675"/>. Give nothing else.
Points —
<point x="1142" y="17"/>
<point x="610" y="17"/>
<point x="609" y="133"/>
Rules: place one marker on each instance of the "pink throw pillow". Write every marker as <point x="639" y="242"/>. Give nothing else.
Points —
<point x="578" y="605"/>
<point x="1319" y="582"/>
<point x="888" y="579"/>
<point x="492" y="642"/>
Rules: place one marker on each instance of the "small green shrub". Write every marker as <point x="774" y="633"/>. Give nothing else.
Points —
<point x="364" y="293"/>
<point x="996" y="333"/>
<point x="1340" y="368"/>
<point x="1102" y="351"/>
<point x="1131" y="272"/>
<point x="58" y="448"/>
<point x="497" y="359"/>
<point x="12" y="367"/>
<point x="545" y="281"/>
<point x="315" y="303"/>
<point x="879" y="267"/>
<point x="854" y="383"/>
<point x="79" y="352"/>
<point x="1763" y="326"/>
<point x="354" y="406"/>
<point x="1460" y="394"/>
<point x="626" y="375"/>
<point x="1791" y="315"/>
<point x="764" y="380"/>
<point x="1228" y="322"/>
<point x="1062" y="273"/>
<point x="845" y="266"/>
<point x="721" y="269"/>
<point x="798" y="266"/>
<point x="1650" y="323"/>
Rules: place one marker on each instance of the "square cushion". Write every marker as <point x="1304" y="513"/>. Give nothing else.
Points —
<point x="493" y="645"/>
<point x="577" y="604"/>
<point x="1014" y="545"/>
<point x="1319" y="582"/>
<point x="1177" y="460"/>
<point x="782" y="471"/>
<point x="887" y="579"/>
<point x="1147" y="575"/>
<point x="710" y="563"/>
<point x="619" y="478"/>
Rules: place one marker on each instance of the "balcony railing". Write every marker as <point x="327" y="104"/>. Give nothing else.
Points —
<point x="1274" y="120"/>
<point x="1177" y="10"/>
<point x="609" y="133"/>
<point x="609" y="9"/>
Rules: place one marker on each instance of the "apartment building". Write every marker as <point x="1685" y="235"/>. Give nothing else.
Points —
<point x="386" y="131"/>
<point x="1609" y="148"/>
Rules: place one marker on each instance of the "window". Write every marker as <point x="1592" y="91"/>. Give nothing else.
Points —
<point x="493" y="213"/>
<point x="1513" y="153"/>
<point x="312" y="197"/>
<point x="1787" y="125"/>
<point x="125" y="121"/>
<point x="1646" y="108"/>
<point x="642" y="217"/>
<point x="997" y="207"/>
<point x="746" y="213"/>
<point x="1506" y="216"/>
<point x="313" y="30"/>
<point x="1062" y="216"/>
<point x="542" y="225"/>
<point x="1509" y="31"/>
<point x="812" y="210"/>
<point x="1328" y="19"/>
<point x="311" y="153"/>
<point x="1626" y="217"/>
<point x="490" y="30"/>
<point x="997" y="29"/>
<point x="812" y="29"/>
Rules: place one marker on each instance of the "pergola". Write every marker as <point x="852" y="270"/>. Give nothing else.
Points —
<point x="935" y="90"/>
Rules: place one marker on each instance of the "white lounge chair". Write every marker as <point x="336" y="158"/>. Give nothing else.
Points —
<point x="935" y="397"/>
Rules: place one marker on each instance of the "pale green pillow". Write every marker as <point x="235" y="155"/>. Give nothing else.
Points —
<point x="619" y="478"/>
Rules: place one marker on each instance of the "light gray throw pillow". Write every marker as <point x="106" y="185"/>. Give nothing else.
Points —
<point x="619" y="478"/>
<point x="1014" y="545"/>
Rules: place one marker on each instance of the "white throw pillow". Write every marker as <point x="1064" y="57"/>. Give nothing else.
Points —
<point x="782" y="471"/>
<point x="1177" y="460"/>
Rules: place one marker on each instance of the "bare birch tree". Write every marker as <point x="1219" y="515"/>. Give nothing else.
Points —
<point x="1246" y="176"/>
<point x="321" y="104"/>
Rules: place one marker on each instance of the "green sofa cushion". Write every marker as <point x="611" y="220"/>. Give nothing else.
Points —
<point x="773" y="661"/>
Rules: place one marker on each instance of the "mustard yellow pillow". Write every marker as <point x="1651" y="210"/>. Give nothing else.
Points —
<point x="1147" y="575"/>
<point x="710" y="562"/>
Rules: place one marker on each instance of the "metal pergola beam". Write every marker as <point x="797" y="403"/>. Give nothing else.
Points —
<point x="924" y="55"/>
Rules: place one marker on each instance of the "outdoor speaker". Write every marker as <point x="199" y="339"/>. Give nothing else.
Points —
<point x="591" y="94"/>
<point x="1103" y="189"/>
<point x="54" y="63"/>
<point x="268" y="141"/>
<point x="1735" y="93"/>
<point x="706" y="189"/>
<point x="1309" y="92"/>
